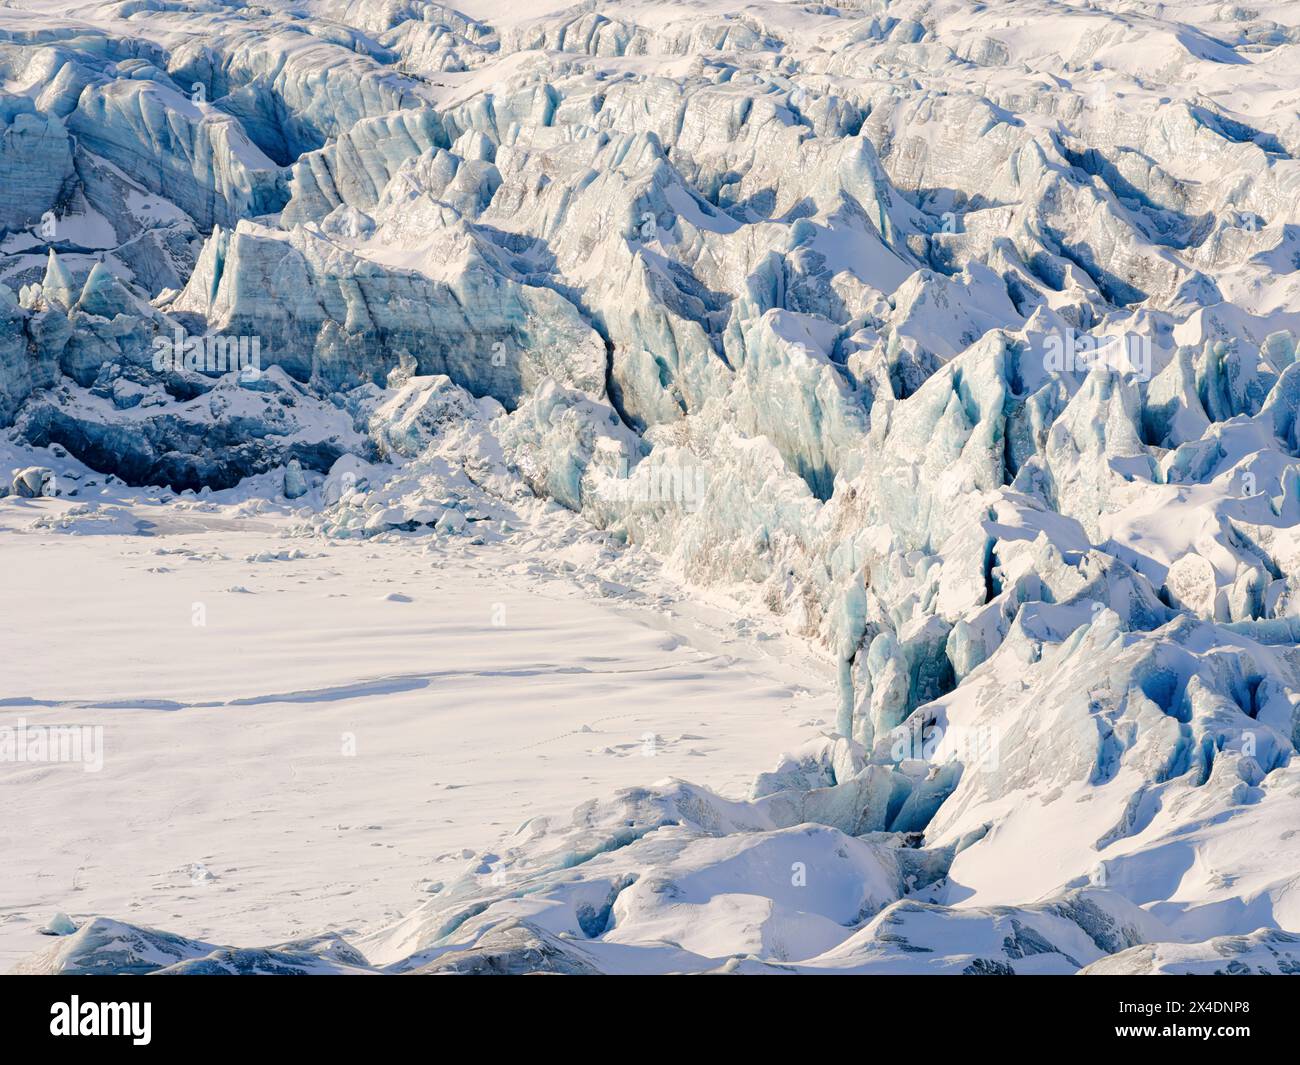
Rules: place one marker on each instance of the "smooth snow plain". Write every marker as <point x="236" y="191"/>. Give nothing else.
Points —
<point x="351" y="725"/>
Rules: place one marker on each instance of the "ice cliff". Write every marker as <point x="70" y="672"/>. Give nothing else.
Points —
<point x="961" y="336"/>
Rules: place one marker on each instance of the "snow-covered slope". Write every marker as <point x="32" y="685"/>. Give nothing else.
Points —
<point x="957" y="339"/>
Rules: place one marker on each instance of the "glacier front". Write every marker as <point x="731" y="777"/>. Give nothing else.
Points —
<point x="951" y="344"/>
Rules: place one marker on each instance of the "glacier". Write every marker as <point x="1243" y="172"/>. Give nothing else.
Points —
<point x="959" y="339"/>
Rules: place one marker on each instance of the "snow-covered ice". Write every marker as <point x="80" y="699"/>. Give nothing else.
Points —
<point x="650" y="486"/>
<point x="327" y="749"/>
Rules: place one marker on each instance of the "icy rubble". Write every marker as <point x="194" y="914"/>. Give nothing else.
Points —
<point x="960" y="336"/>
<point x="1267" y="952"/>
<point x="103" y="946"/>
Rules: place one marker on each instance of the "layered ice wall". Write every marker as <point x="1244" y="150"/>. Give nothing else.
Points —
<point x="961" y="336"/>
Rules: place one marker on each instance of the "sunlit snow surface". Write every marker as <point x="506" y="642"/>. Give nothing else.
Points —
<point x="646" y="390"/>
